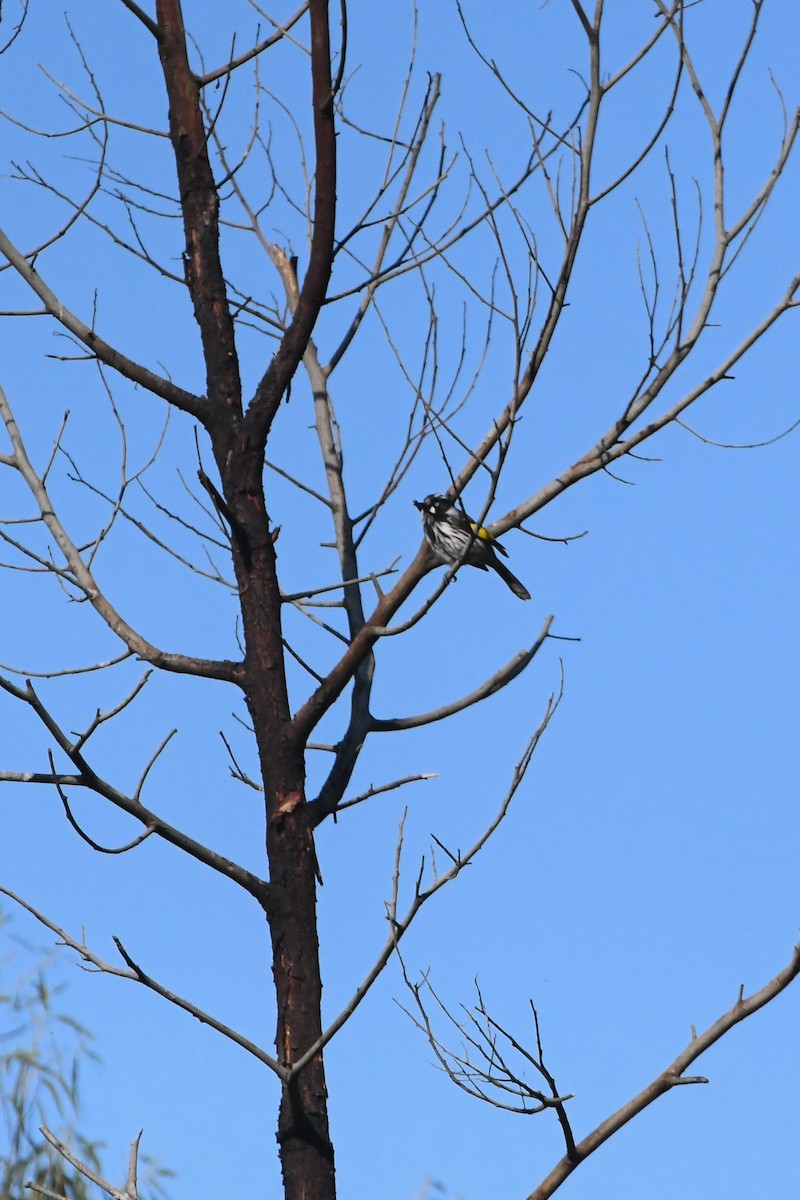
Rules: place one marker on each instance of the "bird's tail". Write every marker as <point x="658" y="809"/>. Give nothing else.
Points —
<point x="517" y="588"/>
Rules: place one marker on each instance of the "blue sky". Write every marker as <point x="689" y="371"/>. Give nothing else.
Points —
<point x="648" y="864"/>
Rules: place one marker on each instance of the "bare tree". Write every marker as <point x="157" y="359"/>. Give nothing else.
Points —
<point x="303" y="225"/>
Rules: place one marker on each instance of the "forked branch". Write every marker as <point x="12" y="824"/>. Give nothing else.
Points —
<point x="275" y="380"/>
<point x="399" y="923"/>
<point x="79" y="573"/>
<point x="135" y="973"/>
<point x="483" y="1067"/>
<point x="129" y="804"/>
<point x="106" y="353"/>
<point x="130" y="1192"/>
<point x="673" y="1076"/>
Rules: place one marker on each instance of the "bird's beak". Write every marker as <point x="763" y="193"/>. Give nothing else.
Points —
<point x="418" y="504"/>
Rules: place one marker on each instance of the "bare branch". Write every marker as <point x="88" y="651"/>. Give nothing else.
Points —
<point x="739" y="445"/>
<point x="268" y="394"/>
<point x="391" y="222"/>
<point x="17" y="30"/>
<point x="133" y="1165"/>
<point x="385" y="787"/>
<point x="101" y="717"/>
<point x="499" y="680"/>
<point x="136" y="974"/>
<point x="99" y="348"/>
<point x="254" y="51"/>
<point x="98" y="666"/>
<point x="80" y="1166"/>
<point x="399" y="924"/>
<point x="205" y="1018"/>
<point x="481" y="1068"/>
<point x="672" y="1076"/>
<point x="142" y="16"/>
<point x="200" y="212"/>
<point x="82" y="577"/>
<point x="292" y="597"/>
<point x="58" y="783"/>
<point x="131" y="805"/>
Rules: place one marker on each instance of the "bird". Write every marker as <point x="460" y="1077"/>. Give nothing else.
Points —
<point x="455" y="538"/>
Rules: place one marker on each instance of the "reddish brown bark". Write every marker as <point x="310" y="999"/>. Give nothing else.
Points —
<point x="286" y="360"/>
<point x="238" y="441"/>
<point x="200" y="208"/>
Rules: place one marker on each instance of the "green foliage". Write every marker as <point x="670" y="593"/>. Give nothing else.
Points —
<point x="42" y="1050"/>
<point x="42" y="1053"/>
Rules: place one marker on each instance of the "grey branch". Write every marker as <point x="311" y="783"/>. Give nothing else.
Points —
<point x="499" y="680"/>
<point x="132" y="805"/>
<point x="96" y="666"/>
<point x="58" y="784"/>
<point x="481" y="1068"/>
<point x="280" y="32"/>
<point x="398" y="925"/>
<point x="385" y="787"/>
<point x="196" y="405"/>
<point x="673" y="1076"/>
<point x="137" y="975"/>
<point x="78" y="572"/>
<point x="337" y="587"/>
<point x="130" y="1192"/>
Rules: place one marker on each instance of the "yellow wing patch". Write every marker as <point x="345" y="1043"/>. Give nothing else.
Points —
<point x="483" y="535"/>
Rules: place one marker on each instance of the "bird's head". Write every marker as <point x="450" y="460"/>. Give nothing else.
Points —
<point x="432" y="505"/>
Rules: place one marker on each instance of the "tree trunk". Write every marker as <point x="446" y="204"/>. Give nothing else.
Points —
<point x="303" y="1134"/>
